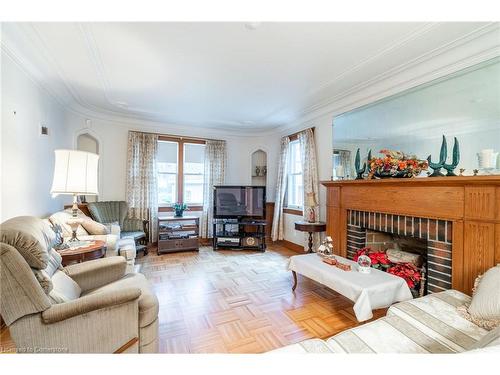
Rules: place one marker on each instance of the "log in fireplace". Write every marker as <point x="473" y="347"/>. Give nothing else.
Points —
<point x="458" y="216"/>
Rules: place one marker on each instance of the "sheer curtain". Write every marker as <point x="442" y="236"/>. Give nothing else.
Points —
<point x="277" y="232"/>
<point x="215" y="171"/>
<point x="311" y="179"/>
<point x="142" y="180"/>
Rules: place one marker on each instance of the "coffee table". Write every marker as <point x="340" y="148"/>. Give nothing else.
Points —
<point x="374" y="290"/>
<point x="95" y="250"/>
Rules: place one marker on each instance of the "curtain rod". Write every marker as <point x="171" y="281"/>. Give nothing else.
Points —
<point x="300" y="131"/>
<point x="176" y="136"/>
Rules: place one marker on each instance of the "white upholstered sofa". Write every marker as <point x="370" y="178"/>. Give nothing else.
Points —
<point x="430" y="324"/>
<point x="92" y="230"/>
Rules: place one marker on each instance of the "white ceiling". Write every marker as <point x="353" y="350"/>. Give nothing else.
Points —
<point x="219" y="75"/>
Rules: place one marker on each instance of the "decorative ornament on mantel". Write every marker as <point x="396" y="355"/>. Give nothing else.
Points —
<point x="395" y="164"/>
<point x="357" y="163"/>
<point x="443" y="155"/>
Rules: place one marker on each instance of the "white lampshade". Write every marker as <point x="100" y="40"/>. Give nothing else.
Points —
<point x="75" y="172"/>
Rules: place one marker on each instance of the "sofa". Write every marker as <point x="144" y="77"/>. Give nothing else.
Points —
<point x="430" y="324"/>
<point x="106" y="212"/>
<point x="92" y="230"/>
<point x="90" y="307"/>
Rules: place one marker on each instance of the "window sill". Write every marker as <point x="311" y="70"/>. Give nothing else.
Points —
<point x="170" y="209"/>
<point x="293" y="211"/>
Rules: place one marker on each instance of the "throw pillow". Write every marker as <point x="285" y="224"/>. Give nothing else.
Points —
<point x="64" y="288"/>
<point x="61" y="218"/>
<point x="484" y="308"/>
<point x="93" y="227"/>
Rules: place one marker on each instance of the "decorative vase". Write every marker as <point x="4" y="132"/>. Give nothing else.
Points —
<point x="179" y="213"/>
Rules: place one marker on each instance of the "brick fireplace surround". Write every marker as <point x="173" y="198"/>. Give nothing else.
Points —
<point x="437" y="233"/>
<point x="458" y="216"/>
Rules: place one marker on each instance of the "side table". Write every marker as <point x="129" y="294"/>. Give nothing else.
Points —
<point x="96" y="250"/>
<point x="310" y="228"/>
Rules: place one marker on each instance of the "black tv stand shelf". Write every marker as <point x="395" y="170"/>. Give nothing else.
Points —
<point x="239" y="234"/>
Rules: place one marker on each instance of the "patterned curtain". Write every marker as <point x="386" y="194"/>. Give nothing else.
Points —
<point x="311" y="180"/>
<point x="215" y="171"/>
<point x="277" y="232"/>
<point x="142" y="184"/>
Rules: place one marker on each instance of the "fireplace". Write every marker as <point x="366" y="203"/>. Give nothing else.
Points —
<point x="429" y="238"/>
<point x="453" y="213"/>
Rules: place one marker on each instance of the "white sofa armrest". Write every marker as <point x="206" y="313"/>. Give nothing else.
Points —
<point x="115" y="230"/>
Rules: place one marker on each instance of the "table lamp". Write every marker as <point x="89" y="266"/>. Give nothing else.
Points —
<point x="310" y="205"/>
<point x="75" y="173"/>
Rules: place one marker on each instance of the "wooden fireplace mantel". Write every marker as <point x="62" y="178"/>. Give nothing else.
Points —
<point x="472" y="204"/>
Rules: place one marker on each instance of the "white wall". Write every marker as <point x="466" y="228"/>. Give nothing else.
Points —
<point x="28" y="158"/>
<point x="112" y="137"/>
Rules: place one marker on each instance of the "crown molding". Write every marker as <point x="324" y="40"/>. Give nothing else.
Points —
<point x="381" y="86"/>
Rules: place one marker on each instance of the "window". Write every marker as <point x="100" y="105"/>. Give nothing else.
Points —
<point x="167" y="172"/>
<point x="295" y="186"/>
<point x="180" y="171"/>
<point x="194" y="173"/>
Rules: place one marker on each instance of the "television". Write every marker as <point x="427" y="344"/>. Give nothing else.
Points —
<point x="240" y="202"/>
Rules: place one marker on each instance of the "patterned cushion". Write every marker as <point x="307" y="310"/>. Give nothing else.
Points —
<point x="492" y="338"/>
<point x="429" y="324"/>
<point x="436" y="316"/>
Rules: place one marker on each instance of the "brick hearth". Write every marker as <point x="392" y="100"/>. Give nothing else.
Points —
<point x="437" y="233"/>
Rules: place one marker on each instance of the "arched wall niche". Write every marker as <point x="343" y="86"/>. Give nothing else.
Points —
<point x="259" y="168"/>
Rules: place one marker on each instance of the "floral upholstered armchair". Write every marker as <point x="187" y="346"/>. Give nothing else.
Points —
<point x="107" y="212"/>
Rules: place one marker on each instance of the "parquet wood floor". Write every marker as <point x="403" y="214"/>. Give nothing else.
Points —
<point x="238" y="302"/>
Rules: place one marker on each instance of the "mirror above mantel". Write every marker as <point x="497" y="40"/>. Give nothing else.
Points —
<point x="465" y="104"/>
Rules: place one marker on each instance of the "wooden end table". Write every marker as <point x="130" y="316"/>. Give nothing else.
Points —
<point x="310" y="228"/>
<point x="96" y="250"/>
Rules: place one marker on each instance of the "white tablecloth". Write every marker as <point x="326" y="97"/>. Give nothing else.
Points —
<point x="374" y="290"/>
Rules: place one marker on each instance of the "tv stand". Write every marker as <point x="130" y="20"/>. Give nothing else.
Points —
<point x="239" y="234"/>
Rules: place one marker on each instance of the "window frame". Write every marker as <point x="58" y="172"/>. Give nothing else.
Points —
<point x="180" y="170"/>
<point x="196" y="204"/>
<point x="294" y="210"/>
<point x="176" y="174"/>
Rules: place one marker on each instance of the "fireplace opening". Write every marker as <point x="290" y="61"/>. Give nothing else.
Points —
<point x="404" y="251"/>
<point x="405" y="239"/>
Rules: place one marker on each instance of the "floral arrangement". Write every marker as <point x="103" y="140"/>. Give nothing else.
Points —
<point x="179" y="208"/>
<point x="396" y="164"/>
<point x="379" y="259"/>
<point x="408" y="272"/>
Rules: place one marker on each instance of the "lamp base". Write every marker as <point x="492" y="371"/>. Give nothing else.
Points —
<point x="74" y="224"/>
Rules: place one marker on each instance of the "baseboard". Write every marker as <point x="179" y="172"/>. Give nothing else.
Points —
<point x="291" y="245"/>
<point x="205" y="241"/>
